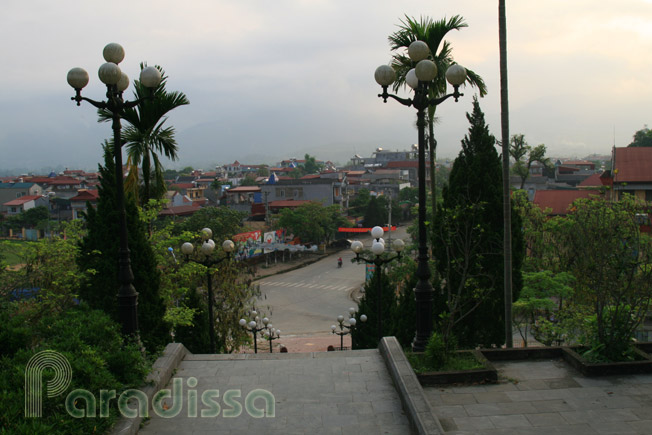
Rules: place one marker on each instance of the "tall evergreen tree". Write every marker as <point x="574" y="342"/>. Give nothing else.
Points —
<point x="475" y="186"/>
<point x="99" y="252"/>
<point x="365" y="334"/>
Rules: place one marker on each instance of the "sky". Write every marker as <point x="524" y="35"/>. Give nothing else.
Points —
<point x="269" y="80"/>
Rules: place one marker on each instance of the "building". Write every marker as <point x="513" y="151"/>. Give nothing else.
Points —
<point x="632" y="172"/>
<point x="24" y="203"/>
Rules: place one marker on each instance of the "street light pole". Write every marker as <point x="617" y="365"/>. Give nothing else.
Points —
<point x="346" y="329"/>
<point x="116" y="83"/>
<point x="419" y="79"/>
<point x="378" y="248"/>
<point x="206" y="249"/>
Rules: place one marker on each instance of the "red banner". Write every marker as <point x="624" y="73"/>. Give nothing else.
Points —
<point x="361" y="230"/>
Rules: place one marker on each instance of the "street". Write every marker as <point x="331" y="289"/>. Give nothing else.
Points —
<point x="307" y="301"/>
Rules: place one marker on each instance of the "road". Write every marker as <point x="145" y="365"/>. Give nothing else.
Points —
<point x="307" y="301"/>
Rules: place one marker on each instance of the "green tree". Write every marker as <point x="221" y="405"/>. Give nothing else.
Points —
<point x="471" y="233"/>
<point x="433" y="34"/>
<point x="222" y="220"/>
<point x="146" y="137"/>
<point x="30" y="218"/>
<point x="642" y="138"/>
<point x="312" y="222"/>
<point x="375" y="214"/>
<point x="611" y="259"/>
<point x="536" y="299"/>
<point x="365" y="334"/>
<point x="525" y="155"/>
<point x="249" y="180"/>
<point x="311" y="166"/>
<point x="99" y="255"/>
<point x="359" y="203"/>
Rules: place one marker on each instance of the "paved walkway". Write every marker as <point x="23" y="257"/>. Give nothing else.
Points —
<point x="546" y="397"/>
<point x="314" y="393"/>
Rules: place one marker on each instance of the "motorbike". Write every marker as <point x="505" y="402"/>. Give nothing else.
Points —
<point x="339" y="263"/>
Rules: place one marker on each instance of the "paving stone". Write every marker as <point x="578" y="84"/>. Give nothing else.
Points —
<point x="545" y="419"/>
<point x="509" y="421"/>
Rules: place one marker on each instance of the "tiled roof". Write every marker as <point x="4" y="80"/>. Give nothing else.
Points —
<point x="181" y="210"/>
<point x="592" y="181"/>
<point x="632" y="164"/>
<point x="22" y="200"/>
<point x="86" y="195"/>
<point x="16" y="185"/>
<point x="560" y="200"/>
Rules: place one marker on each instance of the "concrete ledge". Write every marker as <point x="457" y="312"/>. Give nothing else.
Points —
<point x="162" y="371"/>
<point x="415" y="404"/>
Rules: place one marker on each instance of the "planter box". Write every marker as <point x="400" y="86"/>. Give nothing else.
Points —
<point x="569" y="354"/>
<point x="488" y="374"/>
<point x="604" y="369"/>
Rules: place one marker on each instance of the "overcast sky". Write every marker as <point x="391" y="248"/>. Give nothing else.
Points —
<point x="269" y="80"/>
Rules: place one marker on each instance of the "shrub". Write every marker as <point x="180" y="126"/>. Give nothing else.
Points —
<point x="94" y="347"/>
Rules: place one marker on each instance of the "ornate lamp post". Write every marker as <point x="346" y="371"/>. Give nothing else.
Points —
<point x="270" y="333"/>
<point x="205" y="258"/>
<point x="378" y="248"/>
<point x="420" y="79"/>
<point x="116" y="82"/>
<point x="346" y="329"/>
<point x="254" y="326"/>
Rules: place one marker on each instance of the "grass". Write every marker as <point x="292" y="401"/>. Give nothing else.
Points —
<point x="457" y="361"/>
<point x="11" y="251"/>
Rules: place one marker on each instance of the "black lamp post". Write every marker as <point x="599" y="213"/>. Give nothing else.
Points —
<point x="378" y="248"/>
<point x="116" y="82"/>
<point x="420" y="79"/>
<point x="346" y="329"/>
<point x="270" y="333"/>
<point x="205" y="259"/>
<point x="254" y="326"/>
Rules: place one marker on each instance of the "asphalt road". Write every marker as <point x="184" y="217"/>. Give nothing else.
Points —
<point x="307" y="301"/>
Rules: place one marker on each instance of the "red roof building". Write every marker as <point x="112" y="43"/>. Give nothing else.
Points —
<point x="559" y="201"/>
<point x="632" y="172"/>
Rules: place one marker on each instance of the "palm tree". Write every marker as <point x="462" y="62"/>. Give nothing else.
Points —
<point x="507" y="208"/>
<point x="432" y="33"/>
<point x="146" y="137"/>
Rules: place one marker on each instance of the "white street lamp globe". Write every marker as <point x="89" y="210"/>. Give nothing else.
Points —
<point x="418" y="50"/>
<point x="212" y="242"/>
<point x="206" y="233"/>
<point x="340" y="318"/>
<point x="266" y="334"/>
<point x="333" y="328"/>
<point x="377" y="248"/>
<point x="252" y="324"/>
<point x="411" y="79"/>
<point x="242" y="322"/>
<point x="187" y="248"/>
<point x="228" y="246"/>
<point x="150" y="77"/>
<point x="426" y="70"/>
<point x="456" y="74"/>
<point x="352" y="321"/>
<point x="207" y="248"/>
<point x="77" y="78"/>
<point x="270" y="325"/>
<point x="357" y="246"/>
<point x="113" y="52"/>
<point x="123" y="83"/>
<point x="398" y="245"/>
<point x="109" y="73"/>
<point x="278" y="332"/>
<point x="377" y="232"/>
<point x="363" y="318"/>
<point x="254" y="313"/>
<point x="351" y="311"/>
<point x="385" y="75"/>
<point x="265" y="320"/>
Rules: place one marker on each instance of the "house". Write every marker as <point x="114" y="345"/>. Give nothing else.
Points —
<point x="78" y="203"/>
<point x="24" y="203"/>
<point x="10" y="191"/>
<point x="559" y="201"/>
<point x="242" y="198"/>
<point x="326" y="189"/>
<point x="632" y="172"/>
